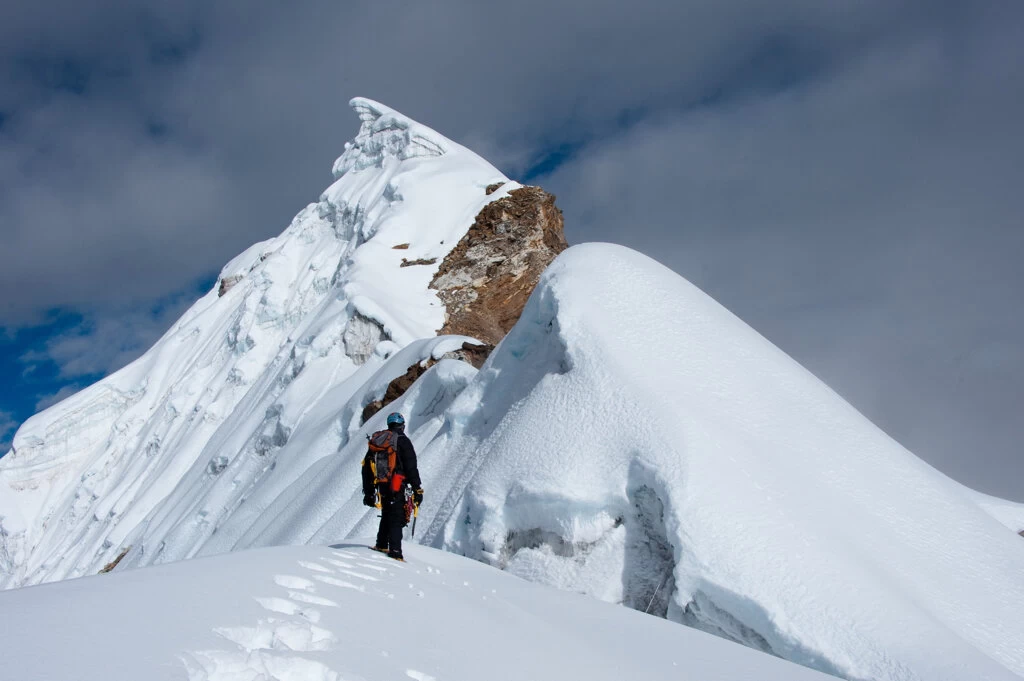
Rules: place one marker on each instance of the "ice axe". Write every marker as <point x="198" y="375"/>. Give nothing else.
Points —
<point x="415" y="510"/>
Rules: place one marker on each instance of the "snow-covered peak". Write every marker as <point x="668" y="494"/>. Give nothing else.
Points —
<point x="387" y="134"/>
<point x="290" y="319"/>
<point x="629" y="439"/>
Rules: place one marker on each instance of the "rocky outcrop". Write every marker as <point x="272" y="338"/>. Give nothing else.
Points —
<point x="470" y="353"/>
<point x="113" y="564"/>
<point x="417" y="261"/>
<point x="396" y="388"/>
<point x="486" y="279"/>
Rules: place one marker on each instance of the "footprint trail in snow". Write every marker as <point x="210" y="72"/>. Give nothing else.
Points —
<point x="283" y="644"/>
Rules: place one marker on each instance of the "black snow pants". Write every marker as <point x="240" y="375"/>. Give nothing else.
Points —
<point x="392" y="520"/>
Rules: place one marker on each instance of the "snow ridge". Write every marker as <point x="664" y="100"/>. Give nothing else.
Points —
<point x="158" y="455"/>
<point x="725" y="487"/>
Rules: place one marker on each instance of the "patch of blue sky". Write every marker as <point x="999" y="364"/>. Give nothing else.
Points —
<point x="29" y="376"/>
<point x="24" y="383"/>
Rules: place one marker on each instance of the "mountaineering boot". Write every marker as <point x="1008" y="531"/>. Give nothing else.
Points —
<point x="396" y="556"/>
<point x="379" y="549"/>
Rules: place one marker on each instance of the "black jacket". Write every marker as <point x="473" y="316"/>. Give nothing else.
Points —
<point x="406" y="465"/>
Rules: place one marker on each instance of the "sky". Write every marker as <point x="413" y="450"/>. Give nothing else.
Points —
<point x="844" y="176"/>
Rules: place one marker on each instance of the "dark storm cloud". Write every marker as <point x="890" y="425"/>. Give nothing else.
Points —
<point x="842" y="175"/>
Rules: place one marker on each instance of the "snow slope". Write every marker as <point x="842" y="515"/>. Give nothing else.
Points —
<point x="345" y="613"/>
<point x="723" y="487"/>
<point x="308" y="318"/>
<point x="629" y="439"/>
<point x="693" y="454"/>
<point x="1009" y="513"/>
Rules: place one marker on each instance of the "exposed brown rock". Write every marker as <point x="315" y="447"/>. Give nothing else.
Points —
<point x="486" y="279"/>
<point x="491" y="188"/>
<point x="400" y="247"/>
<point x="397" y="387"/>
<point x="113" y="564"/>
<point x="418" y="261"/>
<point x="473" y="354"/>
<point x="371" y="409"/>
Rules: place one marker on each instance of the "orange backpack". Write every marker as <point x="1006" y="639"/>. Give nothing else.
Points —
<point x="383" y="458"/>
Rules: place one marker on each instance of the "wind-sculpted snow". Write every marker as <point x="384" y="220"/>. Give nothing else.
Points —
<point x="633" y="440"/>
<point x="345" y="613"/>
<point x="157" y="456"/>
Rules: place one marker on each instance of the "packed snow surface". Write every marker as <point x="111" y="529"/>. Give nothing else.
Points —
<point x="1009" y="513"/>
<point x="629" y="439"/>
<point x="346" y="614"/>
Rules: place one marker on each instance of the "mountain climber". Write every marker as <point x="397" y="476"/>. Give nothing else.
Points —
<point x="388" y="467"/>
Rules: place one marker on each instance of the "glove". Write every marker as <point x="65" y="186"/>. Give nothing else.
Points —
<point x="369" y="500"/>
<point x="417" y="497"/>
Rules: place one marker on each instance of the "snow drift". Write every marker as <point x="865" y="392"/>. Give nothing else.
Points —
<point x="629" y="439"/>
<point x="343" y="613"/>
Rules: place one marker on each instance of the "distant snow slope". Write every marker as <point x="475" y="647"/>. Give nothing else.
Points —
<point x="323" y="614"/>
<point x="629" y="439"/>
<point x="183" y="435"/>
